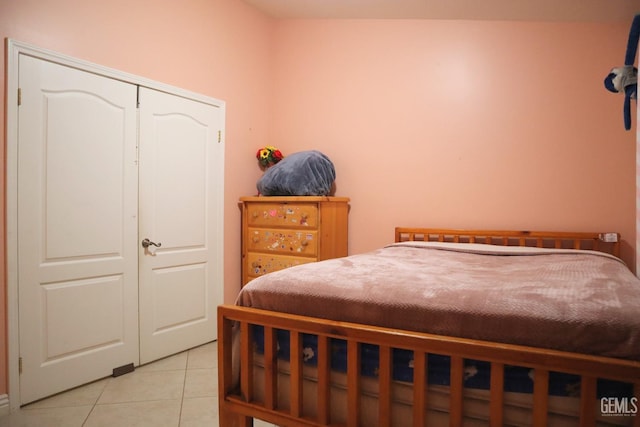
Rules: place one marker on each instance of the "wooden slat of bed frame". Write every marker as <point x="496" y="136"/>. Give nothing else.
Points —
<point x="419" y="388"/>
<point x="270" y="368"/>
<point x="385" y="375"/>
<point x="588" y="404"/>
<point x="456" y="387"/>
<point x="549" y="239"/>
<point x="541" y="360"/>
<point x="226" y="381"/>
<point x="246" y="362"/>
<point x="496" y="401"/>
<point x="324" y="377"/>
<point x="295" y="363"/>
<point x="540" y="396"/>
<point x="353" y="382"/>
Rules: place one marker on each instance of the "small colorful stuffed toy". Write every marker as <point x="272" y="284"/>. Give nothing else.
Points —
<point x="268" y="156"/>
<point x="625" y="79"/>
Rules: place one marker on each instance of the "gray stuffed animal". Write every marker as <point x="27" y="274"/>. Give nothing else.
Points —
<point x="306" y="173"/>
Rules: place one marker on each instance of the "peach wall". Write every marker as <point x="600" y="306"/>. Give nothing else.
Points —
<point x="461" y="124"/>
<point x="220" y="48"/>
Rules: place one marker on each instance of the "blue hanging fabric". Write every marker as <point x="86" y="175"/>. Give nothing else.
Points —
<point x="625" y="79"/>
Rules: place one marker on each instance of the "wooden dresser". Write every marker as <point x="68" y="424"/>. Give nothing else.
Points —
<point x="283" y="231"/>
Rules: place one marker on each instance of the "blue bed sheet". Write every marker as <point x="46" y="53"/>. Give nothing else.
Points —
<point x="477" y="372"/>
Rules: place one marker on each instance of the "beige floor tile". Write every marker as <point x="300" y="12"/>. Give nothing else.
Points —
<point x="159" y="413"/>
<point x="73" y="416"/>
<point x="180" y="390"/>
<point x="84" y="395"/>
<point x="201" y="383"/>
<point x="203" y="357"/>
<point x="199" y="412"/>
<point x="144" y="386"/>
<point x="171" y="363"/>
<point x="260" y="423"/>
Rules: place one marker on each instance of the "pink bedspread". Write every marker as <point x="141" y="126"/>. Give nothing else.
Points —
<point x="578" y="301"/>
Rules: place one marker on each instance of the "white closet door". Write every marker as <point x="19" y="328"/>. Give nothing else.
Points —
<point x="181" y="165"/>
<point x="77" y="227"/>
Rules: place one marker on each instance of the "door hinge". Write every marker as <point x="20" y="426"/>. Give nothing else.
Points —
<point x="19" y="97"/>
<point x="219" y="136"/>
<point x="19" y="365"/>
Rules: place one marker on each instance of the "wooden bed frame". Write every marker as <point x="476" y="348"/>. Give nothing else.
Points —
<point x="238" y="406"/>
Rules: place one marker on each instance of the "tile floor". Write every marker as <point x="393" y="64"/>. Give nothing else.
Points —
<point x="179" y="391"/>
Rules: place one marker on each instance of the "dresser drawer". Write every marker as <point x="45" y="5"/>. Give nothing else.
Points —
<point x="259" y="264"/>
<point x="293" y="242"/>
<point x="283" y="215"/>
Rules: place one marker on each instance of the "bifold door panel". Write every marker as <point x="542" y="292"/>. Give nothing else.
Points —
<point x="77" y="228"/>
<point x="178" y="210"/>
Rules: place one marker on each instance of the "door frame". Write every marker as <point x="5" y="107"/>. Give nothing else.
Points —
<point x="14" y="49"/>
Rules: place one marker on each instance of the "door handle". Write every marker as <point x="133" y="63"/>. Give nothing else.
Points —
<point x="146" y="243"/>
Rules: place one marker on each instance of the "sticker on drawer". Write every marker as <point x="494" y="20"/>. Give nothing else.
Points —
<point x="273" y="214"/>
<point x="260" y="264"/>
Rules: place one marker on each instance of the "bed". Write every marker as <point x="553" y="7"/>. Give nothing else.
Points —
<point x="494" y="328"/>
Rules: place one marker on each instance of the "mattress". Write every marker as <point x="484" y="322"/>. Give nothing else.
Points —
<point x="579" y="301"/>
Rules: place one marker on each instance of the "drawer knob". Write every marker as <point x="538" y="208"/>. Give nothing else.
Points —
<point x="256" y="239"/>
<point x="254" y="214"/>
<point x="304" y="243"/>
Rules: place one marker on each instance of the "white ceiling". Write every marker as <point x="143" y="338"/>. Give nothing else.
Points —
<point x="520" y="10"/>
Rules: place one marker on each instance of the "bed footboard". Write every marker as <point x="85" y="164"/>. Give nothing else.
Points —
<point x="238" y="404"/>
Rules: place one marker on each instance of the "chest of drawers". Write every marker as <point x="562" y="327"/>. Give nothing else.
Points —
<point x="280" y="232"/>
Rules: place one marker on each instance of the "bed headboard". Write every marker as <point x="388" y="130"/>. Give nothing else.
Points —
<point x="603" y="242"/>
